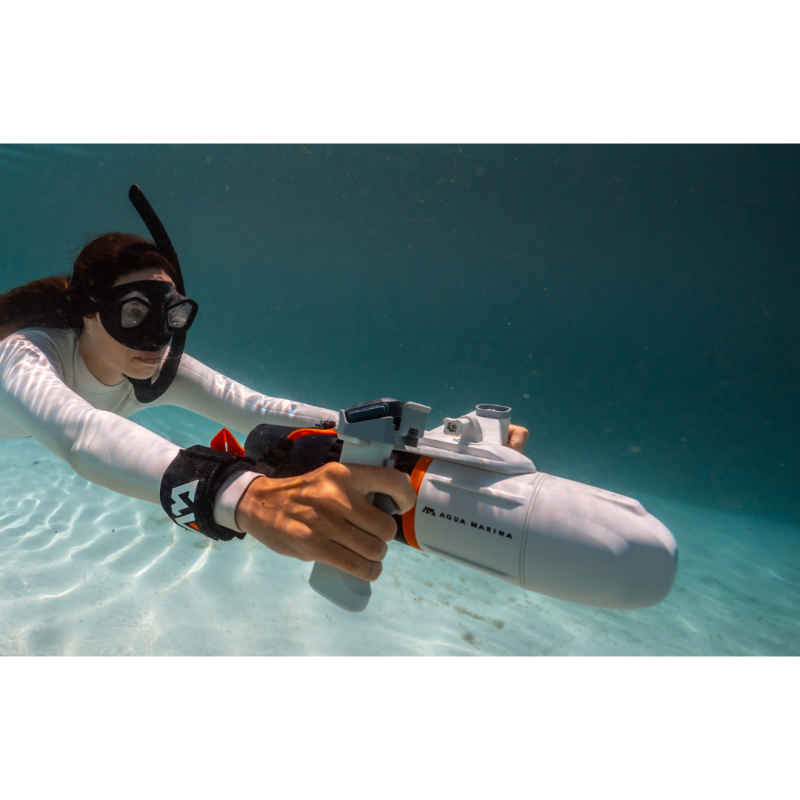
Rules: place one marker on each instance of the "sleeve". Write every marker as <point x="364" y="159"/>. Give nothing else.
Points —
<point x="100" y="446"/>
<point x="200" y="389"/>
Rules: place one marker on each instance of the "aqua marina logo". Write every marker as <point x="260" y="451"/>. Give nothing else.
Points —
<point x="461" y="521"/>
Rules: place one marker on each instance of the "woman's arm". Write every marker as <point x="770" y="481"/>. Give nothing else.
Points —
<point x="100" y="446"/>
<point x="323" y="516"/>
<point x="201" y="389"/>
<point x="210" y="394"/>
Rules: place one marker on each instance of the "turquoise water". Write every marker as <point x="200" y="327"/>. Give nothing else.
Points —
<point x="635" y="306"/>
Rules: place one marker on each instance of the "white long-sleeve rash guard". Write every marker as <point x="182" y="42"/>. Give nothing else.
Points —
<point x="46" y="391"/>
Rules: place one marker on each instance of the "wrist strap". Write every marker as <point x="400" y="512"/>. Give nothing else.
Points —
<point x="190" y="485"/>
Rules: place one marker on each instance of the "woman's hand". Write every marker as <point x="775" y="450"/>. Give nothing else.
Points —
<point x="517" y="436"/>
<point x="325" y="516"/>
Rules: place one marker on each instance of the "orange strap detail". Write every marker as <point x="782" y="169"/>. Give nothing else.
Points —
<point x="226" y="442"/>
<point x="417" y="474"/>
<point x="301" y="432"/>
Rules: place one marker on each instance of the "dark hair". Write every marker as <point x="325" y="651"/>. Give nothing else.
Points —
<point x="61" y="301"/>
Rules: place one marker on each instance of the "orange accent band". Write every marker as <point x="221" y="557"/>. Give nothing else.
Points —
<point x="417" y="474"/>
<point x="301" y="432"/>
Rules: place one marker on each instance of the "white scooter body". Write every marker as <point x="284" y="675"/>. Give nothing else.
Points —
<point x="546" y="534"/>
<point x="485" y="506"/>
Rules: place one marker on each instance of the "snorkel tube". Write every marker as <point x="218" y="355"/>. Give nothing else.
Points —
<point x="145" y="390"/>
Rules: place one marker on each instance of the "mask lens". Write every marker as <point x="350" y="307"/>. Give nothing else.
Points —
<point x="178" y="316"/>
<point x="133" y="313"/>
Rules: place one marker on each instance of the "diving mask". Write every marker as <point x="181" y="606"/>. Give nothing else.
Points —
<point x="144" y="315"/>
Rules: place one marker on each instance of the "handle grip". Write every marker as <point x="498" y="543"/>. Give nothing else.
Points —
<point x="340" y="588"/>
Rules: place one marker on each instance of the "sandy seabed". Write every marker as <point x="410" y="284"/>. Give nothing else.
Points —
<point x="84" y="571"/>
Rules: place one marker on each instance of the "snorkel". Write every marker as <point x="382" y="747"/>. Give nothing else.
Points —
<point x="145" y="390"/>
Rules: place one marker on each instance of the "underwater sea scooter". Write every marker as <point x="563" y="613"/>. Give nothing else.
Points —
<point x="485" y="506"/>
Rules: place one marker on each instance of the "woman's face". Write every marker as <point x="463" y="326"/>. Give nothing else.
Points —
<point x="110" y="360"/>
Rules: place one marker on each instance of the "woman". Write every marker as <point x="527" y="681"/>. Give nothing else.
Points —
<point x="80" y="355"/>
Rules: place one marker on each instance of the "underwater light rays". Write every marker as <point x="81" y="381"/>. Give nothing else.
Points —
<point x="71" y="589"/>
<point x="155" y="561"/>
<point x="186" y="576"/>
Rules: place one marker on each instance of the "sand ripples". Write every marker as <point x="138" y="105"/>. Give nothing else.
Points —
<point x="85" y="571"/>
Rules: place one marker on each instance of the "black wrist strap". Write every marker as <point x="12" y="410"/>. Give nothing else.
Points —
<point x="190" y="485"/>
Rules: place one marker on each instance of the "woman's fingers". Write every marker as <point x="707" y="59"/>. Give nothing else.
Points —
<point x="364" y="516"/>
<point x="359" y="541"/>
<point x="326" y="515"/>
<point x="358" y="538"/>
<point x="517" y="436"/>
<point x="368" y="480"/>
<point x="345" y="559"/>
